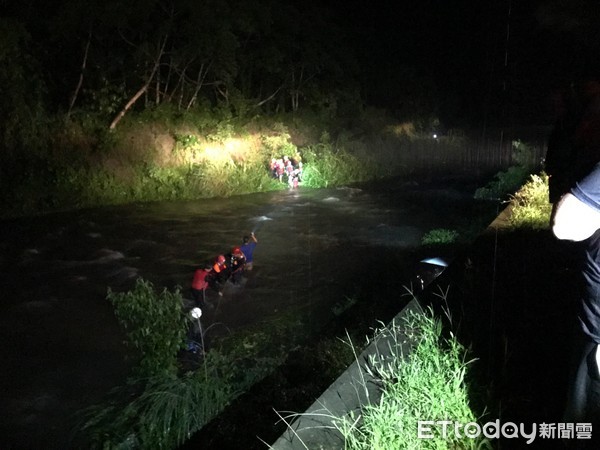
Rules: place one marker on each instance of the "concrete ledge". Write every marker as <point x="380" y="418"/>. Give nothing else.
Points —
<point x="348" y="394"/>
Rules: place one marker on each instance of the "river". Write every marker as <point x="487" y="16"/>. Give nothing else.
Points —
<point x="61" y="345"/>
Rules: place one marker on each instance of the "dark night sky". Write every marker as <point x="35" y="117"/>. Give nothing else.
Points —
<point x="461" y="46"/>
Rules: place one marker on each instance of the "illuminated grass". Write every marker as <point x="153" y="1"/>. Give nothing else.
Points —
<point x="326" y="166"/>
<point x="427" y="384"/>
<point x="420" y="375"/>
<point x="530" y="205"/>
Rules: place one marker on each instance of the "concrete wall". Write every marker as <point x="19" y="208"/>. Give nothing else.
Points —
<point x="313" y="429"/>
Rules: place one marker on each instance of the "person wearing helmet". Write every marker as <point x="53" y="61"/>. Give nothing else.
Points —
<point x="220" y="264"/>
<point x="247" y="248"/>
<point x="237" y="263"/>
<point x="219" y="274"/>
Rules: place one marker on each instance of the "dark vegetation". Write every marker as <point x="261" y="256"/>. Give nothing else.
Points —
<point x="108" y="102"/>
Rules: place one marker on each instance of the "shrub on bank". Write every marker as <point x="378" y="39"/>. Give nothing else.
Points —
<point x="530" y="205"/>
<point x="155" y="326"/>
<point x="508" y="181"/>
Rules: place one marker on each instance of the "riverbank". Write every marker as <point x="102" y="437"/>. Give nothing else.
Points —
<point x="150" y="159"/>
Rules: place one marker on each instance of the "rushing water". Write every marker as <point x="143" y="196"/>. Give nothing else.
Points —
<point x="61" y="345"/>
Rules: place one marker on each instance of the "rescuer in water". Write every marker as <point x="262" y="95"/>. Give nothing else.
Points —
<point x="247" y="248"/>
<point x="237" y="263"/>
<point x="219" y="274"/>
<point x="200" y="283"/>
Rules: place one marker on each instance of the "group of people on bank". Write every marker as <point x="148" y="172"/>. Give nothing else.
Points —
<point x="225" y="267"/>
<point x="287" y="169"/>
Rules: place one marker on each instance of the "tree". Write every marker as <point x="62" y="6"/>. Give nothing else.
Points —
<point x="22" y="89"/>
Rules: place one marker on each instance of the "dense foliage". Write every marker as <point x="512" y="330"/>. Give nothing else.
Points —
<point x="95" y="58"/>
<point x="155" y="326"/>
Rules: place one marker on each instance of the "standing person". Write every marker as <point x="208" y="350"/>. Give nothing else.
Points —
<point x="247" y="248"/>
<point x="299" y="174"/>
<point x="220" y="271"/>
<point x="279" y="169"/>
<point x="577" y="218"/>
<point x="273" y="168"/>
<point x="200" y="283"/>
<point x="289" y="172"/>
<point x="238" y="262"/>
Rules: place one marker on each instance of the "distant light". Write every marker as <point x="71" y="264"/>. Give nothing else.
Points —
<point x="196" y="313"/>
<point x="434" y="136"/>
<point x="435" y="261"/>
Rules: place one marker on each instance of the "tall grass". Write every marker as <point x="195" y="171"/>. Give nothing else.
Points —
<point x="327" y="166"/>
<point x="430" y="383"/>
<point x="163" y="412"/>
<point x="530" y="205"/>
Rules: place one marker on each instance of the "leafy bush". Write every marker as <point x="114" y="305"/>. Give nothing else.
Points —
<point x="530" y="205"/>
<point x="279" y="144"/>
<point x="155" y="326"/>
<point x="508" y="181"/>
<point x="325" y="166"/>
<point x="439" y="236"/>
<point x="504" y="183"/>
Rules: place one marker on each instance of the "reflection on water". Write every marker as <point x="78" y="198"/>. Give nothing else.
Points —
<point x="61" y="345"/>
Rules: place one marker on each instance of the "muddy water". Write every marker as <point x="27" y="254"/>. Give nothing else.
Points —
<point x="61" y="347"/>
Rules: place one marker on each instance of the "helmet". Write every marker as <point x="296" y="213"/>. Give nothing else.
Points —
<point x="221" y="259"/>
<point x="236" y="250"/>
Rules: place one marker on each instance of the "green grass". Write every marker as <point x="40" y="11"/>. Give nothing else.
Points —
<point x="503" y="184"/>
<point x="162" y="412"/>
<point x="530" y="206"/>
<point x="440" y="236"/>
<point x="328" y="166"/>
<point x="428" y="383"/>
